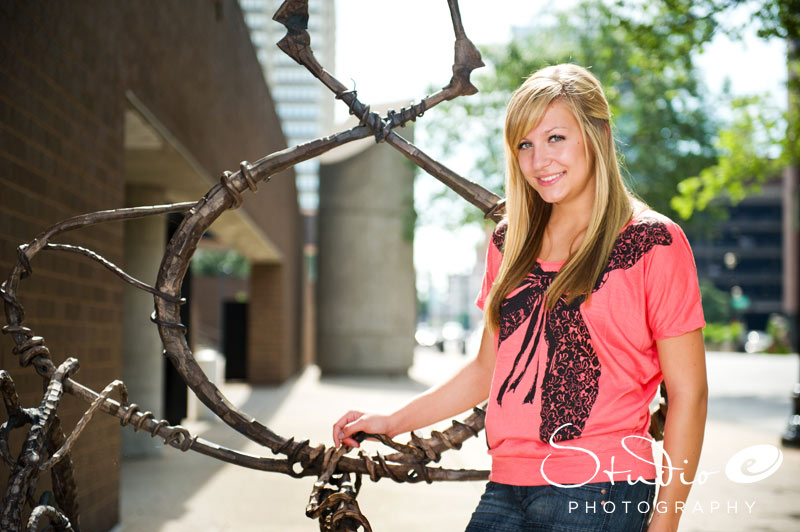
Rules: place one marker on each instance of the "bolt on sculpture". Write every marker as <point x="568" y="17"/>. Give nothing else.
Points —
<point x="333" y="498"/>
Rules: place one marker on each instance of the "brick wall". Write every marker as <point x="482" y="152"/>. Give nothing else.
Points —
<point x="208" y="295"/>
<point x="60" y="155"/>
<point x="266" y="325"/>
<point x="65" y="68"/>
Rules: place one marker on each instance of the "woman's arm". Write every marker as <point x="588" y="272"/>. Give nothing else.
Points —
<point x="468" y="387"/>
<point x="683" y="365"/>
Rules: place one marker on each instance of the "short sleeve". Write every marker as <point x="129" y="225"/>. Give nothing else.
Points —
<point x="672" y="291"/>
<point x="494" y="257"/>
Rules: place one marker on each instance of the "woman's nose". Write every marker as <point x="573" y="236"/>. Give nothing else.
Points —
<point x="541" y="160"/>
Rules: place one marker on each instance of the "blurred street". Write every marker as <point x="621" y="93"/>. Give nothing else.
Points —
<point x="749" y="405"/>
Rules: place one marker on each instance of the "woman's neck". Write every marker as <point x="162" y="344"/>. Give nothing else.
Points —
<point x="568" y="222"/>
<point x="564" y="233"/>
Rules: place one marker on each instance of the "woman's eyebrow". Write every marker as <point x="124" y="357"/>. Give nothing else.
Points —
<point x="548" y="130"/>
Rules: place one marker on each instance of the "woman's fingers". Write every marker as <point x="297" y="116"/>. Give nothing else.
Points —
<point x="339" y="432"/>
<point x="350" y="442"/>
<point x="355" y="421"/>
<point x="359" y="424"/>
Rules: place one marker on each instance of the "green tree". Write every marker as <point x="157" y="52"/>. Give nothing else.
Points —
<point x="218" y="262"/>
<point x="757" y="142"/>
<point x="716" y="303"/>
<point x="660" y="112"/>
<point x="753" y="149"/>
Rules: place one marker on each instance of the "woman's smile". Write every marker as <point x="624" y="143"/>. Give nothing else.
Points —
<point x="550" y="179"/>
<point x="552" y="158"/>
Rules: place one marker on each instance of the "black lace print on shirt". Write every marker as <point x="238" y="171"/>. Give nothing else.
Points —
<point x="569" y="386"/>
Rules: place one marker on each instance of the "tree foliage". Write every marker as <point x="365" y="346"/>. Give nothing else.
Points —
<point x="220" y="262"/>
<point x="757" y="142"/>
<point x="753" y="149"/>
<point x="659" y="109"/>
<point x="681" y="149"/>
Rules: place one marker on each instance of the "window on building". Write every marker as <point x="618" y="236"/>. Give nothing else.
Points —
<point x="294" y="111"/>
<point x="300" y="129"/>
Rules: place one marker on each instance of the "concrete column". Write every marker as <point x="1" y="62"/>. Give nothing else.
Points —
<point x="142" y="362"/>
<point x="365" y="290"/>
<point x="791" y="247"/>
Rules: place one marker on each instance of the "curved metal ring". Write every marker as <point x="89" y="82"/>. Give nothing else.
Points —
<point x="225" y="179"/>
<point x="126" y="417"/>
<point x="158" y="426"/>
<point x="142" y="419"/>
<point x="30" y="354"/>
<point x="23" y="259"/>
<point x="496" y="207"/>
<point x="172" y="324"/>
<point x="244" y="167"/>
<point x="17" y="329"/>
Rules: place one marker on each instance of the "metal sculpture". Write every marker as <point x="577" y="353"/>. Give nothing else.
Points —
<point x="333" y="498"/>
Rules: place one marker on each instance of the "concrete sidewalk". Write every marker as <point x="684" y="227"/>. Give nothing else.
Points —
<point x="186" y="491"/>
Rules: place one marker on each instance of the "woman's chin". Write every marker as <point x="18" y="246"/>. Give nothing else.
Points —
<point x="549" y="196"/>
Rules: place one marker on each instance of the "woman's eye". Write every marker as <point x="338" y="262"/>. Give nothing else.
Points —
<point x="524" y="145"/>
<point x="555" y="138"/>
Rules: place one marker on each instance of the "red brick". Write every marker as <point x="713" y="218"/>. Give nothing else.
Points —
<point x="64" y="70"/>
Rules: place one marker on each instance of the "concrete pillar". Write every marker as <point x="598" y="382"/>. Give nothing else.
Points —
<point x="791" y="249"/>
<point x="365" y="290"/>
<point x="142" y="362"/>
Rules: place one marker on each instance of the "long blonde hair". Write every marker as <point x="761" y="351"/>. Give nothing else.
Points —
<point x="527" y="214"/>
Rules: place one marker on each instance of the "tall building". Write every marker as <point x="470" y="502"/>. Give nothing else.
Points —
<point x="304" y="105"/>
<point x="744" y="256"/>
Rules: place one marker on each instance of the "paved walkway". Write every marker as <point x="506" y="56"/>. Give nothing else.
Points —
<point x="189" y="492"/>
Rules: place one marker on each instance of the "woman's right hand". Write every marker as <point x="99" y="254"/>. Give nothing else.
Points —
<point x="355" y="421"/>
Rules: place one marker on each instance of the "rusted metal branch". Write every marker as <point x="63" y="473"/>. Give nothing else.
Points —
<point x="297" y="44"/>
<point x="431" y="449"/>
<point x="467" y="57"/>
<point x="337" y="508"/>
<point x="248" y="175"/>
<point x="17" y="417"/>
<point x="333" y="499"/>
<point x="58" y="521"/>
<point x="64" y="449"/>
<point x="113" y="268"/>
<point x="294" y="15"/>
<point x="399" y="467"/>
<point x="10" y="397"/>
<point x="32" y="349"/>
<point x="310" y="458"/>
<point x="113" y="215"/>
<point x="25" y="472"/>
<point x="29" y="347"/>
<point x="472" y="192"/>
<point x="62" y="477"/>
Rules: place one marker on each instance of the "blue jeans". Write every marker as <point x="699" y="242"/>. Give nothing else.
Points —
<point x="595" y="507"/>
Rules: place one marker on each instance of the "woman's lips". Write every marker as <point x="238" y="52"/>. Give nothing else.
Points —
<point x="551" y="179"/>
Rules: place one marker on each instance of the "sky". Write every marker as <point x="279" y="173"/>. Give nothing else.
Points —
<point x="393" y="51"/>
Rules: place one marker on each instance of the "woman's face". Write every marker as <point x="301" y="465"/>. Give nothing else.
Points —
<point x="553" y="159"/>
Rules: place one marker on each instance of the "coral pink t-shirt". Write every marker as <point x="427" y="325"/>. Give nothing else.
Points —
<point x="570" y="384"/>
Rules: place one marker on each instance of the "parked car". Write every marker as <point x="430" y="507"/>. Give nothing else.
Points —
<point x="757" y="341"/>
<point x="454" y="334"/>
<point x="427" y="336"/>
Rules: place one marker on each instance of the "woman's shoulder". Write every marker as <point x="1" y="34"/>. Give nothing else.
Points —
<point x="499" y="235"/>
<point x="647" y="230"/>
<point x="647" y="220"/>
<point x="501" y="227"/>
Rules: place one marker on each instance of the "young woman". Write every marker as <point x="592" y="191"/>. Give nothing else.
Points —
<point x="590" y="300"/>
